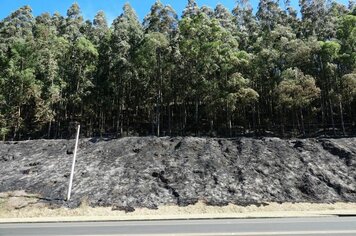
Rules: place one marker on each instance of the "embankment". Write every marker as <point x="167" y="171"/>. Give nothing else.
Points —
<point x="147" y="172"/>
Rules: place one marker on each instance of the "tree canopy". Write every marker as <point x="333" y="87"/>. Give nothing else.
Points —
<point x="208" y="72"/>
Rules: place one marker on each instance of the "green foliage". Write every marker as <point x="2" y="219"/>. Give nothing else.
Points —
<point x="329" y="50"/>
<point x="297" y="90"/>
<point x="209" y="72"/>
<point x="348" y="87"/>
<point x="347" y="36"/>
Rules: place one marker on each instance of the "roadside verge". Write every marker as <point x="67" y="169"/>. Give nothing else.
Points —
<point x="23" y="209"/>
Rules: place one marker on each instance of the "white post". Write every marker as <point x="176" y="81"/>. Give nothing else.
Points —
<point x="73" y="164"/>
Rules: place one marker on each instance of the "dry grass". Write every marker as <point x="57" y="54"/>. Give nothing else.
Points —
<point x="21" y="206"/>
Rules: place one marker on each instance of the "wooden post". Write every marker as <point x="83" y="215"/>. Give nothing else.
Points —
<point x="73" y="164"/>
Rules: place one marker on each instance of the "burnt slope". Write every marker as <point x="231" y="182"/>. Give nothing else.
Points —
<point x="148" y="172"/>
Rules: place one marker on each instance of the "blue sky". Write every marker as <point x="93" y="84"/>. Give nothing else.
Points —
<point x="112" y="8"/>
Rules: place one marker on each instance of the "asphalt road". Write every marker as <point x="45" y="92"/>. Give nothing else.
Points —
<point x="282" y="227"/>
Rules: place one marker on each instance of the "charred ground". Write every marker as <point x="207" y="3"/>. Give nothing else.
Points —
<point x="131" y="173"/>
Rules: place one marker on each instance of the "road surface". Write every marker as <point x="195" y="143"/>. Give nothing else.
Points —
<point x="336" y="226"/>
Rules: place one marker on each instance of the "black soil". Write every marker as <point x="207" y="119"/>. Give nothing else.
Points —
<point x="147" y="172"/>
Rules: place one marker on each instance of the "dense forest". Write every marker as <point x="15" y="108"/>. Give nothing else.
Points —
<point x="269" y="71"/>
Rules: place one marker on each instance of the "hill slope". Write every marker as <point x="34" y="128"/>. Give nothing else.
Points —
<point x="147" y="172"/>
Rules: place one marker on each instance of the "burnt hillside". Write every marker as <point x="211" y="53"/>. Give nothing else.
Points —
<point x="147" y="172"/>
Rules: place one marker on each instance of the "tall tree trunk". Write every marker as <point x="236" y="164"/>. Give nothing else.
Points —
<point x="100" y="122"/>
<point x="297" y="118"/>
<point x="59" y="132"/>
<point x="17" y="126"/>
<point x="283" y="120"/>
<point x="152" y="117"/>
<point x="119" y="119"/>
<point x="309" y="114"/>
<point x="185" y="119"/>
<point x="323" y="115"/>
<point x="351" y="111"/>
<point x="196" y="116"/>
<point x="302" y="121"/>
<point x="158" y="118"/>
<point x="258" y="118"/>
<point x="104" y="123"/>
<point x="180" y="120"/>
<point x="324" y="95"/>
<point x="119" y="101"/>
<point x="332" y="116"/>
<point x="159" y="98"/>
<point x="118" y="115"/>
<point x="49" y="129"/>
<point x="211" y="126"/>
<point x="254" y="117"/>
<point x="342" y="118"/>
<point x="228" y="119"/>
<point x="230" y="126"/>
<point x="170" y="119"/>
<point x="128" y="117"/>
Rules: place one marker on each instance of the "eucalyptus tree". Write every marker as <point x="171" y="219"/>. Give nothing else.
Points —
<point x="73" y="23"/>
<point x="269" y="14"/>
<point x="169" y="22"/>
<point x="162" y="19"/>
<point x="169" y="57"/>
<point x="152" y="21"/>
<point x="351" y="5"/>
<point x="19" y="87"/>
<point x="313" y="17"/>
<point x="191" y="9"/>
<point x="50" y="51"/>
<point x="346" y="64"/>
<point x="4" y="126"/>
<point x="100" y="99"/>
<point x="243" y="69"/>
<point x="212" y="57"/>
<point x="327" y="80"/>
<point x="161" y="25"/>
<point x="125" y="40"/>
<point x="149" y="60"/>
<point x="207" y="11"/>
<point x="328" y="30"/>
<point x="237" y="95"/>
<point x="348" y="87"/>
<point x="347" y="37"/>
<point x="274" y="51"/>
<point x="290" y="17"/>
<point x="80" y="77"/>
<point x="348" y="95"/>
<point x="196" y="49"/>
<point x="226" y="19"/>
<point x="79" y="64"/>
<point x="59" y="22"/>
<point x="343" y="95"/>
<point x="297" y="92"/>
<point x="247" y="25"/>
<point x="18" y="25"/>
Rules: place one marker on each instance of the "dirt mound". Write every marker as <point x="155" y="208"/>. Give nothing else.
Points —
<point x="148" y="172"/>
